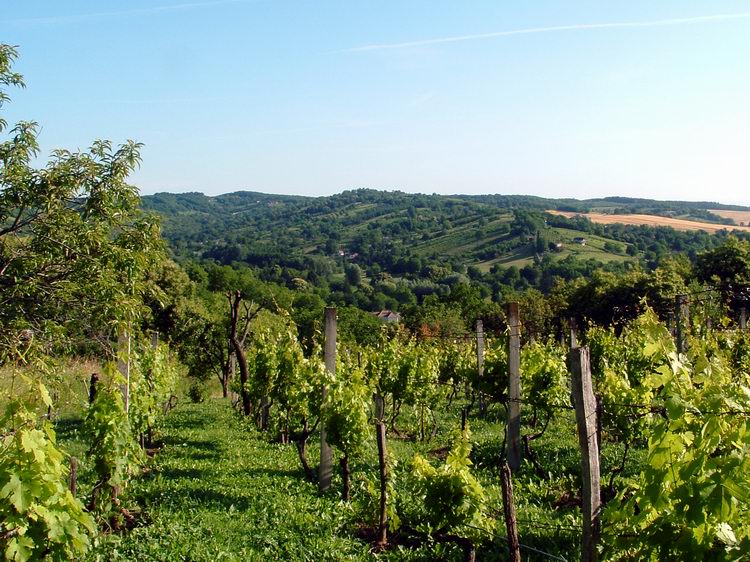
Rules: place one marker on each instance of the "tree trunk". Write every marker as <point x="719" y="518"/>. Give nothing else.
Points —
<point x="346" y="474"/>
<point x="302" y="452"/>
<point x="225" y="387"/>
<point x="244" y="376"/>
<point x="234" y="300"/>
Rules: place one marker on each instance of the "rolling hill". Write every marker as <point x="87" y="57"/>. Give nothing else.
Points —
<point x="401" y="233"/>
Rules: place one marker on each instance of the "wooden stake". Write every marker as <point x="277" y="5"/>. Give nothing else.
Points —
<point x="743" y="318"/>
<point x="93" y="382"/>
<point x="513" y="453"/>
<point x="682" y="311"/>
<point x="379" y="407"/>
<point x="509" y="508"/>
<point x="480" y="365"/>
<point x="73" y="476"/>
<point x="325" y="469"/>
<point x="383" y="462"/>
<point x="599" y="410"/>
<point x="573" y="332"/>
<point x="585" y="406"/>
<point x="123" y="365"/>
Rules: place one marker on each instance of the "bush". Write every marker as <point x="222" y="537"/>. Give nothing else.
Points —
<point x="198" y="392"/>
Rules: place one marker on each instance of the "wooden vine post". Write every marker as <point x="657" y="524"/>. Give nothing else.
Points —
<point x="513" y="453"/>
<point x="573" y="332"/>
<point x="743" y="318"/>
<point x="325" y="468"/>
<point x="585" y="407"/>
<point x="383" y="463"/>
<point x="509" y="509"/>
<point x="682" y="320"/>
<point x="73" y="476"/>
<point x="123" y="365"/>
<point x="480" y="365"/>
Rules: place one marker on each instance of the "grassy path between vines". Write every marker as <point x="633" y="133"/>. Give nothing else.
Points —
<point x="218" y="492"/>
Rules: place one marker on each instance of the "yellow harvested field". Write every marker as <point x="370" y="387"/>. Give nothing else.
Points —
<point x="737" y="216"/>
<point x="652" y="220"/>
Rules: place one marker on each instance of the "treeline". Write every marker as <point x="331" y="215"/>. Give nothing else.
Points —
<point x="378" y="250"/>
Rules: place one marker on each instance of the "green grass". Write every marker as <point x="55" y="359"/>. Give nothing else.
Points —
<point x="219" y="490"/>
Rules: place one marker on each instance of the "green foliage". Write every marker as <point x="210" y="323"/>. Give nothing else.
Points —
<point x="154" y="373"/>
<point x="39" y="517"/>
<point x="446" y="499"/>
<point x="727" y="265"/>
<point x="198" y="391"/>
<point x="347" y="409"/>
<point x="113" y="450"/>
<point x="621" y="367"/>
<point x="458" y="362"/>
<point x="691" y="500"/>
<point x="545" y="383"/>
<point x="283" y="380"/>
<point x="494" y="383"/>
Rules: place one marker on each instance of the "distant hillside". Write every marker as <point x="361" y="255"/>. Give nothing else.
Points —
<point x="403" y="234"/>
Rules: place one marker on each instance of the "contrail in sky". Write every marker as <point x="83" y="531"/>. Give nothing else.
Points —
<point x="134" y="12"/>
<point x="550" y="29"/>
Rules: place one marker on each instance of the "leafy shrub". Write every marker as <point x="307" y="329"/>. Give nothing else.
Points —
<point x="39" y="517"/>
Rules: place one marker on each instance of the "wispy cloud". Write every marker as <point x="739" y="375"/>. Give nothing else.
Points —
<point x="151" y="10"/>
<point x="422" y="99"/>
<point x="548" y="29"/>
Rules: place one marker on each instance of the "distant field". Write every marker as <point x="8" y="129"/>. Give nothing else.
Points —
<point x="653" y="220"/>
<point x="740" y="217"/>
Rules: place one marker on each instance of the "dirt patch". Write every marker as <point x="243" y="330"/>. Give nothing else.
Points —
<point x="651" y="220"/>
<point x="739" y="217"/>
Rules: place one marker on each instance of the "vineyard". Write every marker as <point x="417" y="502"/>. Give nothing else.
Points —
<point x="412" y="434"/>
<point x="156" y="410"/>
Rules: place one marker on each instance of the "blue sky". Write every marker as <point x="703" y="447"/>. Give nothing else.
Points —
<point x="561" y="99"/>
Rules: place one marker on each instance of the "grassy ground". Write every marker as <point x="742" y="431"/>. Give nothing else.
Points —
<point x="218" y="490"/>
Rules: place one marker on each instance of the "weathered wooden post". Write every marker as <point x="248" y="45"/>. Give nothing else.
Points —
<point x="743" y="318"/>
<point x="573" y="325"/>
<point x="383" y="464"/>
<point x="123" y="365"/>
<point x="599" y="411"/>
<point x="513" y="453"/>
<point x="480" y="365"/>
<point x="73" y="476"/>
<point x="325" y="469"/>
<point x="509" y="509"/>
<point x="682" y="320"/>
<point x="93" y="382"/>
<point x="585" y="407"/>
<point x="155" y="339"/>
<point x="379" y="406"/>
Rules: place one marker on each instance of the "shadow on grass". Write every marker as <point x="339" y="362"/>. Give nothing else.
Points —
<point x="190" y="446"/>
<point x="68" y="429"/>
<point x="184" y="473"/>
<point x="296" y="474"/>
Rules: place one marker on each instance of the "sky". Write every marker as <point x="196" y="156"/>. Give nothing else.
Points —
<point x="580" y="98"/>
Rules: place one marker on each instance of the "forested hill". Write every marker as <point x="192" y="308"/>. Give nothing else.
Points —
<point x="403" y="233"/>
